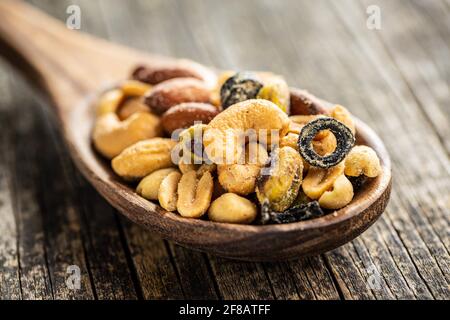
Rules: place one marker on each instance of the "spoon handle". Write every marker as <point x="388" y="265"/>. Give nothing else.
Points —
<point x="66" y="64"/>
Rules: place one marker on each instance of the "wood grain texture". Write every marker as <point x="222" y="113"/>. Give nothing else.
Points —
<point x="393" y="79"/>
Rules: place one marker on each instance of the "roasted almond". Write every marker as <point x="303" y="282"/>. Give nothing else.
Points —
<point x="304" y="103"/>
<point x="185" y="114"/>
<point x="166" y="71"/>
<point x="172" y="92"/>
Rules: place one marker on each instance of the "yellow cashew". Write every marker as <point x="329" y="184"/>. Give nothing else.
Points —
<point x="241" y="178"/>
<point x="111" y="135"/>
<point x="362" y="160"/>
<point x="221" y="136"/>
<point x="339" y="196"/>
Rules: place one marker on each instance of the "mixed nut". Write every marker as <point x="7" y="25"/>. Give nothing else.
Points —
<point x="237" y="149"/>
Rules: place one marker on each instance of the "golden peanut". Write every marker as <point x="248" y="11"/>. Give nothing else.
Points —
<point x="186" y="114"/>
<point x="109" y="102"/>
<point x="172" y="92"/>
<point x="241" y="178"/>
<point x="144" y="157"/>
<point x="319" y="180"/>
<point x="362" y="160"/>
<point x="231" y="208"/>
<point x="167" y="193"/>
<point x="134" y="88"/>
<point x="194" y="195"/>
<point x="326" y="144"/>
<point x="343" y="115"/>
<point x="149" y="186"/>
<point x="111" y="136"/>
<point x="340" y="195"/>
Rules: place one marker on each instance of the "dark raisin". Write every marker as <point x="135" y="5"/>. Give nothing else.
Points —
<point x="344" y="142"/>
<point x="240" y="87"/>
<point x="357" y="182"/>
<point x="297" y="213"/>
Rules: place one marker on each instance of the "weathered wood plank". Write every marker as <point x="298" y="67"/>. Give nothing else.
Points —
<point x="34" y="273"/>
<point x="417" y="38"/>
<point x="9" y="259"/>
<point x="156" y="273"/>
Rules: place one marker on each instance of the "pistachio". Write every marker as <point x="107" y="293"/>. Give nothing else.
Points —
<point x="280" y="187"/>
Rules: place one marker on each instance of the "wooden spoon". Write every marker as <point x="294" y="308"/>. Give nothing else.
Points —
<point x="72" y="68"/>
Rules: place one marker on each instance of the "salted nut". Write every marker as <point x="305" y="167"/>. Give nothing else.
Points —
<point x="165" y="71"/>
<point x="191" y="144"/>
<point x="319" y="180"/>
<point x="220" y="135"/>
<point x="111" y="136"/>
<point x="275" y="89"/>
<point x="231" y="208"/>
<point x="362" y="160"/>
<point x="194" y="195"/>
<point x="168" y="191"/>
<point x="131" y="106"/>
<point x="339" y="196"/>
<point x="279" y="186"/>
<point x="175" y="91"/>
<point x="148" y="188"/>
<point x="109" y="102"/>
<point x="343" y="115"/>
<point x="240" y="178"/>
<point x="304" y="103"/>
<point x="344" y="142"/>
<point x="143" y="157"/>
<point x="186" y="114"/>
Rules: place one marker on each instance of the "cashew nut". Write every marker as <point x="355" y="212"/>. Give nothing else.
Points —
<point x="143" y="157"/>
<point x="231" y="208"/>
<point x="134" y="88"/>
<point x="167" y="193"/>
<point x="339" y="196"/>
<point x="362" y="160"/>
<point x="343" y="115"/>
<point x="319" y="180"/>
<point x="221" y="135"/>
<point x="109" y="102"/>
<point x="149" y="186"/>
<point x="194" y="196"/>
<point x="111" y="136"/>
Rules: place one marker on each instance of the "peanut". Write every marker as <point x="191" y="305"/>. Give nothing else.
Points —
<point x="144" y="157"/>
<point x="231" y="208"/>
<point x="362" y="160"/>
<point x="149" y="186"/>
<point x="319" y="180"/>
<point x="339" y="196"/>
<point x="194" y="196"/>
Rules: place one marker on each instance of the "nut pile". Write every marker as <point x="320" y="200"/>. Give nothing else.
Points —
<point x="239" y="151"/>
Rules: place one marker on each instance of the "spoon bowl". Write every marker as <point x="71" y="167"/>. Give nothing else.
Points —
<point x="72" y="67"/>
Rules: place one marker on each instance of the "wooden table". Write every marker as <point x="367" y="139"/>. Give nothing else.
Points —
<point x="396" y="79"/>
